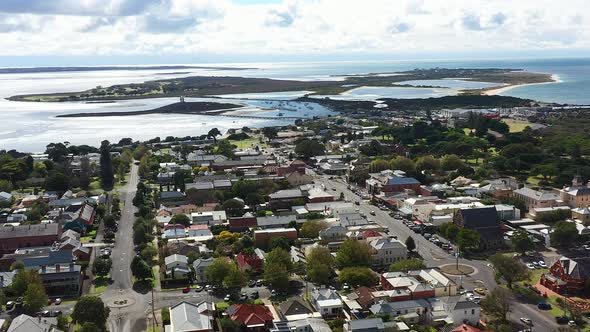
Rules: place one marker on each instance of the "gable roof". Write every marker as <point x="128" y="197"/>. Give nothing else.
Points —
<point x="573" y="268"/>
<point x="190" y="317"/>
<point x="250" y="314"/>
<point x="26" y="323"/>
<point x="295" y="306"/>
<point x="249" y="260"/>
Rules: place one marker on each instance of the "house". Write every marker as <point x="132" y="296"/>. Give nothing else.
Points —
<point x="485" y="221"/>
<point x="582" y="214"/>
<point x="255" y="317"/>
<point x="172" y="198"/>
<point x="61" y="279"/>
<point x="176" y="266"/>
<point x="308" y="324"/>
<point x="78" y="218"/>
<point x="386" y="251"/>
<point x="567" y="275"/>
<point x="200" y="266"/>
<point x="262" y="237"/>
<point x="67" y="243"/>
<point x="5" y="197"/>
<point x="15" y="237"/>
<point x="333" y="167"/>
<point x="327" y="302"/>
<point x="348" y="219"/>
<point x="285" y="199"/>
<point x="410" y="286"/>
<point x="249" y="262"/>
<point x="390" y="182"/>
<point x="318" y="195"/>
<point x="174" y="231"/>
<point x="6" y="278"/>
<point x="295" y="166"/>
<point x="459" y="309"/>
<point x="26" y="323"/>
<point x="576" y="195"/>
<point x="295" y="308"/>
<point x="333" y="233"/>
<point x="275" y="221"/>
<point x="199" y="231"/>
<point x="208" y="217"/>
<point x="412" y="311"/>
<point x="185" y="317"/>
<point x="507" y="212"/>
<point x="240" y="224"/>
<point x="537" y="199"/>
<point x="365" y="325"/>
<point x="442" y="285"/>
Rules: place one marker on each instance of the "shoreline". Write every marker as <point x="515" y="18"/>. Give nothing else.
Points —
<point x="497" y="91"/>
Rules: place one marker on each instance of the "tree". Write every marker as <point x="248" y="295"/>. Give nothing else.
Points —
<point x="276" y="276"/>
<point x="56" y="152"/>
<point x="451" y="162"/>
<point x="218" y="270"/>
<point x="279" y="242"/>
<point x="564" y="233"/>
<point x="90" y="327"/>
<point x="410" y="244"/>
<point x="353" y="253"/>
<point x="468" y="239"/>
<point x="311" y="228"/>
<point x="428" y="163"/>
<point x="23" y="279"/>
<point x="107" y="175"/>
<point x="403" y="164"/>
<point x="227" y="237"/>
<point x="35" y="298"/>
<point x="510" y="268"/>
<point x="521" y="242"/>
<point x="140" y="269"/>
<point x="320" y="265"/>
<point x="213" y="133"/>
<point x="358" y="276"/>
<point x="141" y="236"/>
<point x="235" y="278"/>
<point x="279" y="255"/>
<point x="102" y="266"/>
<point x="307" y="148"/>
<point x="181" y="219"/>
<point x="91" y="309"/>
<point x="233" y="207"/>
<point x="405" y="265"/>
<point x="84" y="173"/>
<point x="498" y="303"/>
<point x="109" y="221"/>
<point x="57" y="181"/>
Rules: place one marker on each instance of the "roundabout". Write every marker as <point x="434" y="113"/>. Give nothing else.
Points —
<point x="454" y="269"/>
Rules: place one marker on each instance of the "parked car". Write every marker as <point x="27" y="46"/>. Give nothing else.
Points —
<point x="243" y="296"/>
<point x="372" y="212"/>
<point x="259" y="282"/>
<point x="254" y="295"/>
<point x="527" y="321"/>
<point x="562" y="319"/>
<point x="530" y="266"/>
<point x="252" y="283"/>
<point x="544" y="306"/>
<point x="199" y="288"/>
<point x="227" y="298"/>
<point x="186" y="290"/>
<point x="57" y="301"/>
<point x="480" y="290"/>
<point x="542" y="264"/>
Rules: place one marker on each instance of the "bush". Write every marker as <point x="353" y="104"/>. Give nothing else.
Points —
<point x="166" y="316"/>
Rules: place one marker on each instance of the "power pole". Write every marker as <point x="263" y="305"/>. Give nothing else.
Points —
<point x="154" y="322"/>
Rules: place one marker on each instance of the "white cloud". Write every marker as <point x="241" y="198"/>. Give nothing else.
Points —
<point x="298" y="27"/>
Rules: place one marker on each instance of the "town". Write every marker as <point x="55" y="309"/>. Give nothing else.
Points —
<point x="435" y="220"/>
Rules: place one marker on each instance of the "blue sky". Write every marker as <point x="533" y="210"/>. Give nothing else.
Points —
<point x="34" y="31"/>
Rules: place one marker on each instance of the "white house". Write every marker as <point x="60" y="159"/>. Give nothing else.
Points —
<point x="327" y="301"/>
<point x="5" y="197"/>
<point x="385" y="251"/>
<point x="25" y="323"/>
<point x="176" y="265"/>
<point x="186" y="316"/>
<point x="333" y="233"/>
<point x="200" y="266"/>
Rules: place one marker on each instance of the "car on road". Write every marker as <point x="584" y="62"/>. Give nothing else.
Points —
<point x="372" y="212"/>
<point x="357" y="203"/>
<point x="186" y="290"/>
<point x="527" y="321"/>
<point x="199" y="288"/>
<point x="480" y="290"/>
<point x="571" y="323"/>
<point x="55" y="313"/>
<point x="544" y="306"/>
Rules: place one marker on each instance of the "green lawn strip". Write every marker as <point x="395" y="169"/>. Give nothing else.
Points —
<point x="100" y="285"/>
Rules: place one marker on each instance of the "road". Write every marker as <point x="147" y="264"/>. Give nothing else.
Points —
<point x="435" y="256"/>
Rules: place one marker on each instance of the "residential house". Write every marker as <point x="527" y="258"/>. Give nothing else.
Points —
<point x="576" y="195"/>
<point x="460" y="309"/>
<point x="296" y="308"/>
<point x="365" y="325"/>
<point x="416" y="289"/>
<point x="275" y="221"/>
<point x="468" y="328"/>
<point x="485" y="221"/>
<point x="79" y="218"/>
<point x="582" y="214"/>
<point x="327" y="302"/>
<point x="255" y="317"/>
<point x="412" y="311"/>
<point x="295" y="166"/>
<point x="26" y="323"/>
<point x="176" y="266"/>
<point x="209" y="218"/>
<point x="172" y="198"/>
<point x="390" y="182"/>
<point x="249" y="262"/>
<point x="442" y="285"/>
<point x="185" y="317"/>
<point x="386" y="251"/>
<point x="199" y="231"/>
<point x="567" y="275"/>
<point x="333" y="233"/>
<point x="285" y="199"/>
<point x="318" y="195"/>
<point x="5" y="197"/>
<point x="174" y="231"/>
<point x="243" y="223"/>
<point x="200" y="266"/>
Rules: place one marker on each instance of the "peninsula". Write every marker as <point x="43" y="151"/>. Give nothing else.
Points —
<point x="203" y="108"/>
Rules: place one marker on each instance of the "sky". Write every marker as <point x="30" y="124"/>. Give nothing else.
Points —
<point x="250" y="30"/>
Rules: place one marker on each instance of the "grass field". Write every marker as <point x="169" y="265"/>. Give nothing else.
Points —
<point x="516" y="126"/>
<point x="248" y="143"/>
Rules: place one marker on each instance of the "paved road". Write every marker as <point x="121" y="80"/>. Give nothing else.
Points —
<point x="435" y="256"/>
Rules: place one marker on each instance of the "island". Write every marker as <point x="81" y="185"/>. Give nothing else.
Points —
<point x="207" y="86"/>
<point x="202" y="108"/>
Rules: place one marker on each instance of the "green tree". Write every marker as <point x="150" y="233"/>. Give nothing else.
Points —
<point x="353" y="253"/>
<point x="102" y="266"/>
<point x="410" y="244"/>
<point x="84" y="173"/>
<point x="63" y="322"/>
<point x="428" y="163"/>
<point x="307" y="148"/>
<point x="213" y="133"/>
<point x="521" y="242"/>
<point x="564" y="233"/>
<point x="468" y="239"/>
<point x="23" y="279"/>
<point x="91" y="309"/>
<point x="403" y="164"/>
<point x="320" y="265"/>
<point x="107" y="175"/>
<point x="218" y="270"/>
<point x="109" y="221"/>
<point x="141" y="236"/>
<point x="451" y="162"/>
<point x="498" y="303"/>
<point x="311" y="228"/>
<point x="358" y="276"/>
<point x="181" y="219"/>
<point x="276" y="276"/>
<point x="140" y="269"/>
<point x="510" y="268"/>
<point x="450" y="231"/>
<point x="233" y="208"/>
<point x="279" y="256"/>
<point x="90" y="327"/>
<point x="235" y="278"/>
<point x="280" y="242"/>
<point x="57" y="181"/>
<point x="405" y="265"/>
<point x="35" y="298"/>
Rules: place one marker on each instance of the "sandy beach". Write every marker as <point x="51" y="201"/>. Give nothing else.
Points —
<point x="499" y="90"/>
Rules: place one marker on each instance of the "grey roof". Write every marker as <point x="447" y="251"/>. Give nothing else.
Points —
<point x="459" y="302"/>
<point x="175" y="258"/>
<point x="8" y="232"/>
<point x="389" y="307"/>
<point x="26" y="323"/>
<point x="202" y="262"/>
<point x="387" y="243"/>
<point x="190" y="317"/>
<point x="325" y="294"/>
<point x="6" y="278"/>
<point x="480" y="217"/>
<point x="368" y="324"/>
<point x="52" y="258"/>
<point x="290" y="193"/>
<point x="537" y="195"/>
<point x="71" y="201"/>
<point x="5" y="196"/>
<point x="171" y="194"/>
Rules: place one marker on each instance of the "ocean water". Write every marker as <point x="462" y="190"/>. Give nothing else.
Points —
<point x="31" y="126"/>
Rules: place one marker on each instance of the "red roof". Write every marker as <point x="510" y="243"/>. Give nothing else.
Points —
<point x="199" y="227"/>
<point x="246" y="260"/>
<point x="250" y="314"/>
<point x="173" y="226"/>
<point x="370" y="233"/>
<point x="468" y="328"/>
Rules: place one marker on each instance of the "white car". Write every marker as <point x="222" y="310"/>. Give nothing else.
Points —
<point x="527" y="321"/>
<point x="542" y="264"/>
<point x="530" y="266"/>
